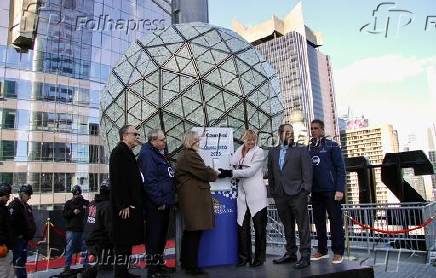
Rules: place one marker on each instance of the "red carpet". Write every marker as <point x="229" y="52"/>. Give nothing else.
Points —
<point x="43" y="264"/>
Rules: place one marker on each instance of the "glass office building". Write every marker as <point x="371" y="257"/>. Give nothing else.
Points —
<point x="304" y="72"/>
<point x="50" y="92"/>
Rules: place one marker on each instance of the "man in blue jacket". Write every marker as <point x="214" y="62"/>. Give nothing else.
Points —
<point x="159" y="185"/>
<point x="328" y="189"/>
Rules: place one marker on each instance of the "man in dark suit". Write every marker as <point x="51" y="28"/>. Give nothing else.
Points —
<point x="126" y="199"/>
<point x="290" y="181"/>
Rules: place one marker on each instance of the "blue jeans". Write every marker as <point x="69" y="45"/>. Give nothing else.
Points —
<point x="20" y="258"/>
<point x="75" y="243"/>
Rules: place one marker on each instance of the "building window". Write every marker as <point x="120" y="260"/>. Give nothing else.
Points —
<point x="7" y="150"/>
<point x="9" y="118"/>
<point x="93" y="129"/>
<point x="46" y="182"/>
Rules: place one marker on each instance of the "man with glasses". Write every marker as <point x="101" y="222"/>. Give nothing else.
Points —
<point x="327" y="192"/>
<point x="290" y="182"/>
<point x="159" y="186"/>
<point x="126" y="199"/>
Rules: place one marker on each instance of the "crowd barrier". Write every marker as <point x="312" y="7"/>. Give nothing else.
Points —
<point x="410" y="227"/>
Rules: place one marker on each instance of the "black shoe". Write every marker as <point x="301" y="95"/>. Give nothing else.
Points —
<point x="256" y="263"/>
<point x="242" y="263"/>
<point x="157" y="275"/>
<point x="302" y="263"/>
<point x="195" y="271"/>
<point x="130" y="275"/>
<point x="287" y="258"/>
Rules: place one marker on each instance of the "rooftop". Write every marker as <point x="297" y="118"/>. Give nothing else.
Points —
<point x="276" y="27"/>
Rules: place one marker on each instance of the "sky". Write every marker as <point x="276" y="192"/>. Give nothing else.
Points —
<point x="389" y="77"/>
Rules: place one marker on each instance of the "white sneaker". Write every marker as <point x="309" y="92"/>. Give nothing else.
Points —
<point x="318" y="256"/>
<point x="337" y="259"/>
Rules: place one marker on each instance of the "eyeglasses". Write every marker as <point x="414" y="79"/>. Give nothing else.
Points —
<point x="134" y="133"/>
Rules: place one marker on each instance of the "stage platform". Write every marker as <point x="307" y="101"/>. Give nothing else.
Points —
<point x="316" y="269"/>
<point x="323" y="268"/>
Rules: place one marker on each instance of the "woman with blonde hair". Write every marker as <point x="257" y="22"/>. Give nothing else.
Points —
<point x="195" y="200"/>
<point x="252" y="198"/>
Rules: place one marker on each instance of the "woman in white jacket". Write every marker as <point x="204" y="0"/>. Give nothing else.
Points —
<point x="252" y="198"/>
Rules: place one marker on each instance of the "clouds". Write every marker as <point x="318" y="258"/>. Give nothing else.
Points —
<point x="380" y="70"/>
<point x="390" y="89"/>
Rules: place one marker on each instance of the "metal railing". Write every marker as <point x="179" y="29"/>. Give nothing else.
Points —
<point x="390" y="225"/>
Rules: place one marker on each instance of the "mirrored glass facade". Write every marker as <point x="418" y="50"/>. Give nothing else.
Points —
<point x="49" y="110"/>
<point x="191" y="75"/>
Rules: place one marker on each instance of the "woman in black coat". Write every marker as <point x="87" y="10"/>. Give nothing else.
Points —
<point x="126" y="198"/>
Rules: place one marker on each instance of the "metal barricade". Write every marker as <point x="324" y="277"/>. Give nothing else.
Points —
<point x="387" y="222"/>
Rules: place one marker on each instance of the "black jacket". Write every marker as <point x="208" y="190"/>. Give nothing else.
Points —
<point x="7" y="236"/>
<point x="98" y="226"/>
<point x="75" y="222"/>
<point x="126" y="191"/>
<point x="22" y="219"/>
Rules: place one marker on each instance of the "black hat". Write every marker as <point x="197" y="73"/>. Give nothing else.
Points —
<point x="5" y="189"/>
<point x="26" y="189"/>
<point x="104" y="187"/>
<point x="76" y="190"/>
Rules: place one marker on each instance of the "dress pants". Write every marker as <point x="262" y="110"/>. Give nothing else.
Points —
<point x="122" y="260"/>
<point x="156" y="227"/>
<point x="189" y="249"/>
<point x="293" y="208"/>
<point x="244" y="232"/>
<point x="323" y="202"/>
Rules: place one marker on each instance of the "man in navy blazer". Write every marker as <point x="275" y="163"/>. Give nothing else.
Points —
<point x="327" y="192"/>
<point x="159" y="186"/>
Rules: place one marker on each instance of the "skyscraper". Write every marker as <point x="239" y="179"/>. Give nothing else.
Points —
<point x="431" y="133"/>
<point x="422" y="184"/>
<point x="373" y="143"/>
<point x="54" y="63"/>
<point x="304" y="72"/>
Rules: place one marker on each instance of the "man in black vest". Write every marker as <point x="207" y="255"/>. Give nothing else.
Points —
<point x="290" y="182"/>
<point x="126" y="200"/>
<point x="24" y="226"/>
